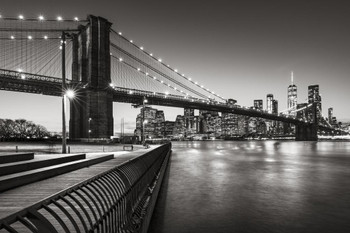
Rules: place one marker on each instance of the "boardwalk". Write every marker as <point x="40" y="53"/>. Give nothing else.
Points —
<point x="16" y="199"/>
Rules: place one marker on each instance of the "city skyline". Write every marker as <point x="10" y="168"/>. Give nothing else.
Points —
<point x="241" y="51"/>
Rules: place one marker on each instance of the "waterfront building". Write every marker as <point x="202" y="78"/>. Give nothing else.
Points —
<point x="258" y="104"/>
<point x="190" y="126"/>
<point x="274" y="107"/>
<point x="168" y="127"/>
<point x="330" y="115"/>
<point x="179" y="127"/>
<point x="229" y="121"/>
<point x="315" y="97"/>
<point x="269" y="99"/>
<point x="159" y="126"/>
<point x="292" y="98"/>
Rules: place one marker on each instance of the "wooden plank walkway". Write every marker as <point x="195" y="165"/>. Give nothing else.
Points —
<point x="16" y="199"/>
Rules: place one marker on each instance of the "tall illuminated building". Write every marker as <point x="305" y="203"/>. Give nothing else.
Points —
<point x="292" y="97"/>
<point x="258" y="104"/>
<point x="269" y="100"/>
<point x="315" y="97"/>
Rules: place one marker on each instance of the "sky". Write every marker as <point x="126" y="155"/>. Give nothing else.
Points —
<point x="240" y="49"/>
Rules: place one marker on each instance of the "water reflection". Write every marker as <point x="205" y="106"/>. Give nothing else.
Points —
<point x="258" y="186"/>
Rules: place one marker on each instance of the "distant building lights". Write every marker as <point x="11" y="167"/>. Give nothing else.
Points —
<point x="23" y="76"/>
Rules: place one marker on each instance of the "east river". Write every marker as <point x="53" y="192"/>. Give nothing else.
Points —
<point x="255" y="186"/>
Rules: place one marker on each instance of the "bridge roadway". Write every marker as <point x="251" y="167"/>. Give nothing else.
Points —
<point x="39" y="84"/>
<point x="14" y="200"/>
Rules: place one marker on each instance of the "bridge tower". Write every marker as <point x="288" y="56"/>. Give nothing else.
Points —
<point x="91" y="112"/>
<point x="308" y="132"/>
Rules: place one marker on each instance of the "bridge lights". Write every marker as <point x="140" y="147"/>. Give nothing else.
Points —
<point x="41" y="18"/>
<point x="76" y="19"/>
<point x="120" y="59"/>
<point x="23" y="76"/>
<point x="159" y="59"/>
<point x="30" y="37"/>
<point x="21" y="17"/>
<point x="12" y="37"/>
<point x="120" y="33"/>
<point x="46" y="37"/>
<point x="141" y="48"/>
<point x="59" y="18"/>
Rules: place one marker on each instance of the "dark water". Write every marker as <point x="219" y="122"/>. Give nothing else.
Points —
<point x="258" y="186"/>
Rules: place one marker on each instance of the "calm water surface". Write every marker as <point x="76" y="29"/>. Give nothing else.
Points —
<point x="255" y="186"/>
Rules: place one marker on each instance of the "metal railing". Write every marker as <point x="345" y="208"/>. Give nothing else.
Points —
<point x="119" y="200"/>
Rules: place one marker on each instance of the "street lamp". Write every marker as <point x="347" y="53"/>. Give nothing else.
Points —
<point x="89" y="128"/>
<point x="70" y="95"/>
<point x="143" y="139"/>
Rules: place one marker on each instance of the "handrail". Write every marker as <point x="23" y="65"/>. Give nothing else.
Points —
<point x="118" y="200"/>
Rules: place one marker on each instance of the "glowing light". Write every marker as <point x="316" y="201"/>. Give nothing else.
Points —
<point x="183" y="75"/>
<point x="154" y="78"/>
<point x="30" y="37"/>
<point x="19" y="70"/>
<point x="59" y="18"/>
<point x="202" y="86"/>
<point x="120" y="59"/>
<point x="41" y="17"/>
<point x="145" y="101"/>
<point x="120" y="33"/>
<point x="161" y="81"/>
<point x="70" y="93"/>
<point x="146" y="74"/>
<point x="111" y="54"/>
<point x="131" y="41"/>
<point x="60" y="47"/>
<point x="23" y="76"/>
<point x="131" y="92"/>
<point x="138" y="69"/>
<point x="189" y="79"/>
<point x="168" y="65"/>
<point x="166" y="93"/>
<point x="160" y="60"/>
<point x="45" y="37"/>
<point x="196" y="83"/>
<point x="141" y="48"/>
<point x="168" y="85"/>
<point x="21" y="17"/>
<point x="76" y="19"/>
<point x="151" y="54"/>
<point x="111" y="85"/>
<point x="12" y="37"/>
<point x="175" y="70"/>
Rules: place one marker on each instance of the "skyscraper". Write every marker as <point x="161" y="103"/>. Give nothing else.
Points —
<point x="330" y="115"/>
<point x="275" y="107"/>
<point x="269" y="99"/>
<point x="315" y="97"/>
<point x="258" y="104"/>
<point x="292" y="97"/>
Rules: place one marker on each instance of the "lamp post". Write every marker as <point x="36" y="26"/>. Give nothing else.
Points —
<point x="89" y="129"/>
<point x="70" y="95"/>
<point x="143" y="138"/>
<point x="63" y="50"/>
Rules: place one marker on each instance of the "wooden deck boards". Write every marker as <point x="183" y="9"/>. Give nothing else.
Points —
<point x="16" y="199"/>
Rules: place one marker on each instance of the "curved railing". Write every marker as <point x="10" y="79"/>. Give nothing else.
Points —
<point x="119" y="200"/>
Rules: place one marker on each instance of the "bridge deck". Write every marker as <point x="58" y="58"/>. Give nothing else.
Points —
<point x="16" y="199"/>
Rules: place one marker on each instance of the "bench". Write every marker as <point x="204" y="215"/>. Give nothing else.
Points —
<point x="131" y="147"/>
